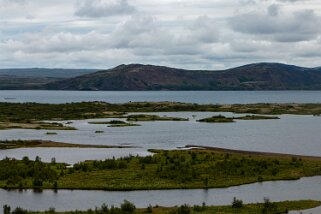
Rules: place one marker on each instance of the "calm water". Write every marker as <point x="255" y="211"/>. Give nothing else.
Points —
<point x="305" y="188"/>
<point x="291" y="134"/>
<point x="178" y="96"/>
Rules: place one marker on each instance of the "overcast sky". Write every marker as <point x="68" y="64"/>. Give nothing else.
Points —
<point x="194" y="34"/>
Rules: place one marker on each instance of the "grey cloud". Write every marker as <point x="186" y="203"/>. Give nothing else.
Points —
<point x="103" y="8"/>
<point x="290" y="0"/>
<point x="278" y="26"/>
<point x="273" y="10"/>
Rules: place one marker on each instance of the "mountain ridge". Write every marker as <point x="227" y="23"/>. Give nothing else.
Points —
<point x="256" y="76"/>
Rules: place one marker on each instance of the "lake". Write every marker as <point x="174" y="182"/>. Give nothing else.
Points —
<point x="201" y="97"/>
<point x="291" y="134"/>
<point x="294" y="134"/>
<point x="305" y="188"/>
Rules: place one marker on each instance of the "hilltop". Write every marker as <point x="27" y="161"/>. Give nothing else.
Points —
<point x="259" y="76"/>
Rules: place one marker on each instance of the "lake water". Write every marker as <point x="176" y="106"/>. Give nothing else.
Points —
<point x="223" y="97"/>
<point x="305" y="188"/>
<point x="291" y="134"/>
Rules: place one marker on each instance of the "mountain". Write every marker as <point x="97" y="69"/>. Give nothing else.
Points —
<point x="259" y="76"/>
<point x="35" y="78"/>
<point x="8" y="82"/>
<point x="45" y="72"/>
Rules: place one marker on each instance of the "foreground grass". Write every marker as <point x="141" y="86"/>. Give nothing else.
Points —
<point x="127" y="208"/>
<point x="166" y="170"/>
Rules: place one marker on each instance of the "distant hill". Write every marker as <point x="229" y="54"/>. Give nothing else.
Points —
<point x="45" y="72"/>
<point x="259" y="76"/>
<point x="36" y="78"/>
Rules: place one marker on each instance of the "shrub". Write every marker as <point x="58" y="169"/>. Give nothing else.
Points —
<point x="237" y="203"/>
<point x="127" y="207"/>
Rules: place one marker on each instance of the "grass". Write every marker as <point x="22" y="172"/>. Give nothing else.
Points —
<point x="149" y="117"/>
<point x="217" y="119"/>
<point x="14" y="144"/>
<point x="21" y="115"/>
<point x="256" y="117"/>
<point x="114" y="123"/>
<point x="223" y="119"/>
<point x="51" y="133"/>
<point x="266" y="207"/>
<point x="34" y="125"/>
<point x="182" y="170"/>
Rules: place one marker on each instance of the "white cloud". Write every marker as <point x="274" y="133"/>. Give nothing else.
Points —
<point x="190" y="34"/>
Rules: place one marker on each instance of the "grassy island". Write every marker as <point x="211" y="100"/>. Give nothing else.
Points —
<point x="14" y="144"/>
<point x="237" y="206"/>
<point x="217" y="119"/>
<point x="114" y="123"/>
<point x="175" y="169"/>
<point x="256" y="117"/>
<point x="150" y="117"/>
<point x="34" y="125"/>
<point x="223" y="119"/>
<point x="22" y="114"/>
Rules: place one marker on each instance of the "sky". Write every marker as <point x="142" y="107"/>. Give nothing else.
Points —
<point x="191" y="34"/>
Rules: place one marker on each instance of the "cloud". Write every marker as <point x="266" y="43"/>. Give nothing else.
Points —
<point x="187" y="34"/>
<point x="279" y="26"/>
<point x="103" y="8"/>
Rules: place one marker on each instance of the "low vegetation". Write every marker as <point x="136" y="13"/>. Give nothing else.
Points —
<point x="223" y="119"/>
<point x="127" y="208"/>
<point x="114" y="123"/>
<point x="150" y="117"/>
<point x="175" y="170"/>
<point x="14" y="144"/>
<point x="256" y="117"/>
<point x="217" y="119"/>
<point x="25" y="114"/>
<point x="30" y="124"/>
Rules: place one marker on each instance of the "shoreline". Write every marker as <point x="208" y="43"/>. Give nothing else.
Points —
<point x="244" y="152"/>
<point x="52" y="144"/>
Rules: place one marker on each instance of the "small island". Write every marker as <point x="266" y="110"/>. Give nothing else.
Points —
<point x="223" y="119"/>
<point x="150" y="117"/>
<point x="14" y="144"/>
<point x="256" y="117"/>
<point x="115" y="123"/>
<point x="31" y="124"/>
<point x="217" y="119"/>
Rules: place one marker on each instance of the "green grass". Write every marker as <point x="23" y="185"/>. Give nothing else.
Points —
<point x="150" y="117"/>
<point x="181" y="170"/>
<point x="256" y="117"/>
<point x="217" y="119"/>
<point x="24" y="113"/>
<point x="114" y="123"/>
<point x="223" y="119"/>
<point x="127" y="208"/>
<point x="14" y="144"/>
<point x="51" y="133"/>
